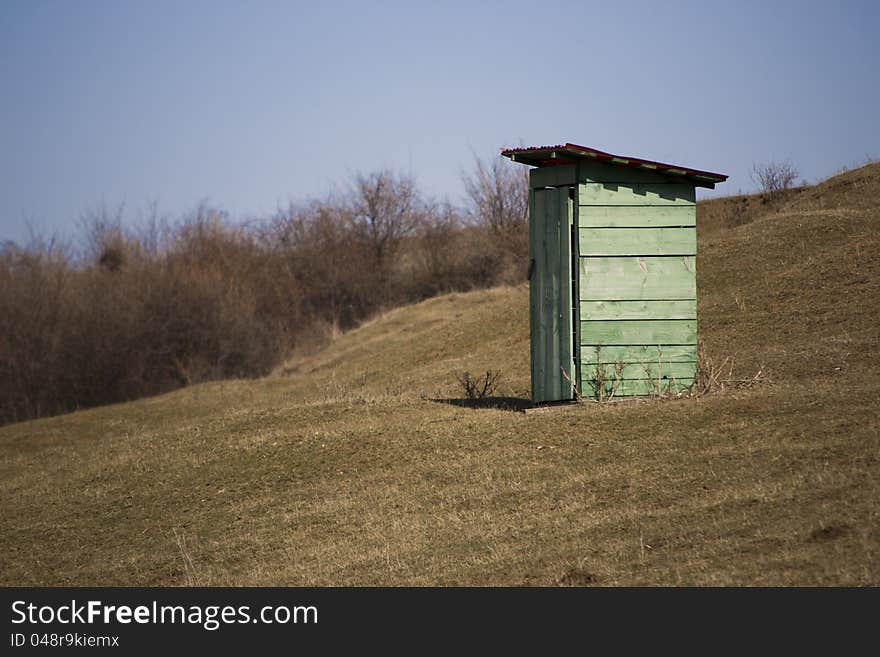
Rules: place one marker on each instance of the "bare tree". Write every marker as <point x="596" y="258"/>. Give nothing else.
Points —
<point x="108" y="241"/>
<point x="385" y="210"/>
<point x="437" y="249"/>
<point x="499" y="194"/>
<point x="773" y="177"/>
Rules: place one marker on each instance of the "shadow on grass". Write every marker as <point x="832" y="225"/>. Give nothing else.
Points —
<point x="517" y="404"/>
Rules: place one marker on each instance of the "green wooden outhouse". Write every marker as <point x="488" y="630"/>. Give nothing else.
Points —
<point x="612" y="273"/>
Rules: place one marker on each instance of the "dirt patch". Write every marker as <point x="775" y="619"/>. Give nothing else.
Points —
<point x="830" y="532"/>
<point x="578" y="577"/>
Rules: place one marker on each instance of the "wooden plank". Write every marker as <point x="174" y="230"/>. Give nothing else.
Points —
<point x="632" y="278"/>
<point x="653" y="371"/>
<point x="636" y="216"/>
<point x="633" y="388"/>
<point x="607" y="173"/>
<point x="637" y="241"/>
<point x="575" y="292"/>
<point x="564" y="367"/>
<point x="550" y="296"/>
<point x="553" y="176"/>
<point x="641" y="331"/>
<point x="591" y="354"/>
<point x="636" y="194"/>
<point x="534" y="294"/>
<point x="592" y="310"/>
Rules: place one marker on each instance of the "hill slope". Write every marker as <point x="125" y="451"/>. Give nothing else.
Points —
<point x="351" y="467"/>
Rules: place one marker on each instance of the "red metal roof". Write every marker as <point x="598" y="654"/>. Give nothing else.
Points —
<point x="543" y="156"/>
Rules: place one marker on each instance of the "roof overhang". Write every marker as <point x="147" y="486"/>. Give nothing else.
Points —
<point x="546" y="156"/>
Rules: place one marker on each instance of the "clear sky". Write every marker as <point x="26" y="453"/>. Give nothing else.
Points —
<point x="255" y="104"/>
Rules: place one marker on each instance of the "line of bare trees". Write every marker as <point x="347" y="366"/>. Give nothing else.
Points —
<point x="142" y="309"/>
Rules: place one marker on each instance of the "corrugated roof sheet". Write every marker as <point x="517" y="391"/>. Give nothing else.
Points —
<point x="543" y="156"/>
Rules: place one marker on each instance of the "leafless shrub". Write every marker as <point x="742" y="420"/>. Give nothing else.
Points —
<point x="385" y="209"/>
<point x="659" y="384"/>
<point x="480" y="387"/>
<point x="105" y="328"/>
<point x="436" y="250"/>
<point x="498" y="195"/>
<point x="450" y="255"/>
<point x="773" y="177"/>
<point x="714" y="375"/>
<point x="603" y="382"/>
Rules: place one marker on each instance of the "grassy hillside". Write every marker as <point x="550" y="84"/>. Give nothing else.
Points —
<point x="353" y="467"/>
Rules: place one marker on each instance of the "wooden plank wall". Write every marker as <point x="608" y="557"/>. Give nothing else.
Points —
<point x="637" y="287"/>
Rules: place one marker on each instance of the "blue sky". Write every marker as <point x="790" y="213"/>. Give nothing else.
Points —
<point x="253" y="105"/>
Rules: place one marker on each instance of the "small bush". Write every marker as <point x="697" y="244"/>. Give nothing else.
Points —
<point x="716" y="375"/>
<point x="604" y="382"/>
<point x="774" y="177"/>
<point x="480" y="387"/>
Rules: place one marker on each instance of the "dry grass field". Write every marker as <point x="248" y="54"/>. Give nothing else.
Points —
<point x="357" y="465"/>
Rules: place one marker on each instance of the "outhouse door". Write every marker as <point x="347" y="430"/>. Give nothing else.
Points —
<point x="550" y="295"/>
